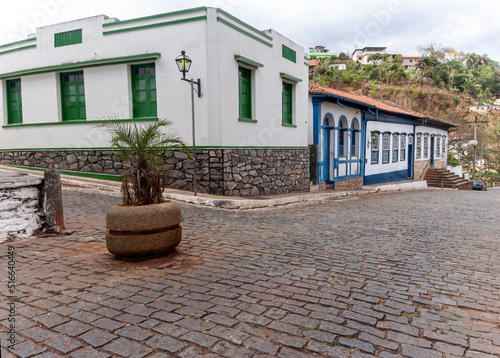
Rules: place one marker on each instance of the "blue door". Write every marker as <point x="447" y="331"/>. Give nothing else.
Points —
<point x="327" y="151"/>
<point x="327" y="155"/>
<point x="410" y="160"/>
<point x="432" y="152"/>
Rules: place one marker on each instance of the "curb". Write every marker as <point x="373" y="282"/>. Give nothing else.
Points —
<point x="238" y="203"/>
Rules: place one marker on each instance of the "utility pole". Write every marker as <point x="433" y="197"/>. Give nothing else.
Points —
<point x="475" y="122"/>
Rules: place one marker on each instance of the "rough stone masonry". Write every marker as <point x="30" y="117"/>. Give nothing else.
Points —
<point x="21" y="206"/>
<point x="225" y="171"/>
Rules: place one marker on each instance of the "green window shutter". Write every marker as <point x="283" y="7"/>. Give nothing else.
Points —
<point x="144" y="90"/>
<point x="287" y="103"/>
<point x="245" y="92"/>
<point x="73" y="96"/>
<point x="289" y="54"/>
<point x="68" y="38"/>
<point x="14" y="102"/>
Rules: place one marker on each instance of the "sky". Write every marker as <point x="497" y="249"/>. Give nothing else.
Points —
<point x="340" y="25"/>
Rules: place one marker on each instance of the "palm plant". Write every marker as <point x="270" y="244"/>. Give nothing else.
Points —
<point x="145" y="147"/>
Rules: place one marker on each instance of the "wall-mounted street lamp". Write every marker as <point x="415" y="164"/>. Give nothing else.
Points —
<point x="184" y="64"/>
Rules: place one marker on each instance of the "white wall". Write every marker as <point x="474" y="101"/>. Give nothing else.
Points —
<point x="224" y="44"/>
<point x="209" y="43"/>
<point x="371" y="169"/>
<point x="40" y="101"/>
<point x="431" y="131"/>
<point x="108" y="92"/>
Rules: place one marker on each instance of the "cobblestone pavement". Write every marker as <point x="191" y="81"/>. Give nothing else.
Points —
<point x="409" y="274"/>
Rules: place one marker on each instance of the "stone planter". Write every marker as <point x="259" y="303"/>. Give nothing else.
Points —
<point x="141" y="232"/>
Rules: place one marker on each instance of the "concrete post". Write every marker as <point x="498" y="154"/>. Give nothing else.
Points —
<point x="53" y="202"/>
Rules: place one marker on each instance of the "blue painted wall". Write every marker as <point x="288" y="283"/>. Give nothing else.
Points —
<point x="386" y="177"/>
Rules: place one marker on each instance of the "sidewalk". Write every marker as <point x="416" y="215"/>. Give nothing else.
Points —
<point x="234" y="202"/>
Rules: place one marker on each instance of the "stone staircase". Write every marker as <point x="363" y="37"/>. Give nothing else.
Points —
<point x="434" y="177"/>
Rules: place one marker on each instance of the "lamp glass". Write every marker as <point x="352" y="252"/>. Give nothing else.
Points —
<point x="183" y="62"/>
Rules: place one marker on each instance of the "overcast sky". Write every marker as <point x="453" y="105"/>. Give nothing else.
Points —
<point x="400" y="25"/>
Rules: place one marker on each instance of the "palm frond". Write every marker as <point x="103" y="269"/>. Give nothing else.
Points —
<point x="145" y="146"/>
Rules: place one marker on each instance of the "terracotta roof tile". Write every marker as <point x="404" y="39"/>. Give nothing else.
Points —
<point x="376" y="104"/>
<point x="314" y="62"/>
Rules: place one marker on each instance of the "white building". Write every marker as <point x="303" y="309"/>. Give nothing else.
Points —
<point x="362" y="55"/>
<point x="361" y="141"/>
<point x="57" y="85"/>
<point x="410" y="62"/>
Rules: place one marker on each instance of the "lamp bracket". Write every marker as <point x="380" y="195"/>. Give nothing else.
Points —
<point x="192" y="82"/>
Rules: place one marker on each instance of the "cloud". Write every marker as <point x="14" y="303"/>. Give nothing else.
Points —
<point x="338" y="25"/>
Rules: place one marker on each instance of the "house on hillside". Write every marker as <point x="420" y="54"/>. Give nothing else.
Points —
<point x="362" y="55"/>
<point x="251" y="118"/>
<point x="360" y="141"/>
<point x="410" y="62"/>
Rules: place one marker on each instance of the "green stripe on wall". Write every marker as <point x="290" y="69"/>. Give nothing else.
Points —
<point x="158" y="16"/>
<point x="225" y="22"/>
<point x="111" y="149"/>
<point x="155" y="25"/>
<point x="244" y="24"/>
<point x="18" y="42"/>
<point x="83" y="64"/>
<point x="18" y="49"/>
<point x="78" y="122"/>
<point x="110" y="177"/>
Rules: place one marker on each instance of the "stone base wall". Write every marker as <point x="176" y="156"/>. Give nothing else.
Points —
<point x="265" y="171"/>
<point x="239" y="172"/>
<point x="349" y="184"/>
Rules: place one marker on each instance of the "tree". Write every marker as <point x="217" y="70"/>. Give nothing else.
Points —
<point x="439" y="52"/>
<point x="475" y="60"/>
<point x="342" y="56"/>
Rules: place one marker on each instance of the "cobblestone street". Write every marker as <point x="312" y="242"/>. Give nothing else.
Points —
<point x="406" y="274"/>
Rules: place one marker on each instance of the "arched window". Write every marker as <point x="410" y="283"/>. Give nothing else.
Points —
<point x="386" y="146"/>
<point x="402" y="155"/>
<point x="426" y="145"/>
<point x="355" y="138"/>
<point x="343" y="141"/>
<point x="375" y="147"/>
<point x="438" y="146"/>
<point x="395" y="147"/>
<point x="419" y="146"/>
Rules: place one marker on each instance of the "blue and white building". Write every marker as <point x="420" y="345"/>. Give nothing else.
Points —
<point x="360" y="141"/>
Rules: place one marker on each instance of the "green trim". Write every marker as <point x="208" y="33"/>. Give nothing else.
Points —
<point x="80" y="65"/>
<point x="289" y="77"/>
<point x="158" y="16"/>
<point x="306" y="58"/>
<point x="244" y="23"/>
<point x="102" y="176"/>
<point x="155" y="25"/>
<point x="306" y="63"/>
<point x="248" y="62"/>
<point x="248" y="147"/>
<point x="18" y="42"/>
<point x="18" y="49"/>
<point x="289" y="125"/>
<point x="111" y="149"/>
<point x="145" y="119"/>
<point x="249" y="120"/>
<point x="225" y="22"/>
